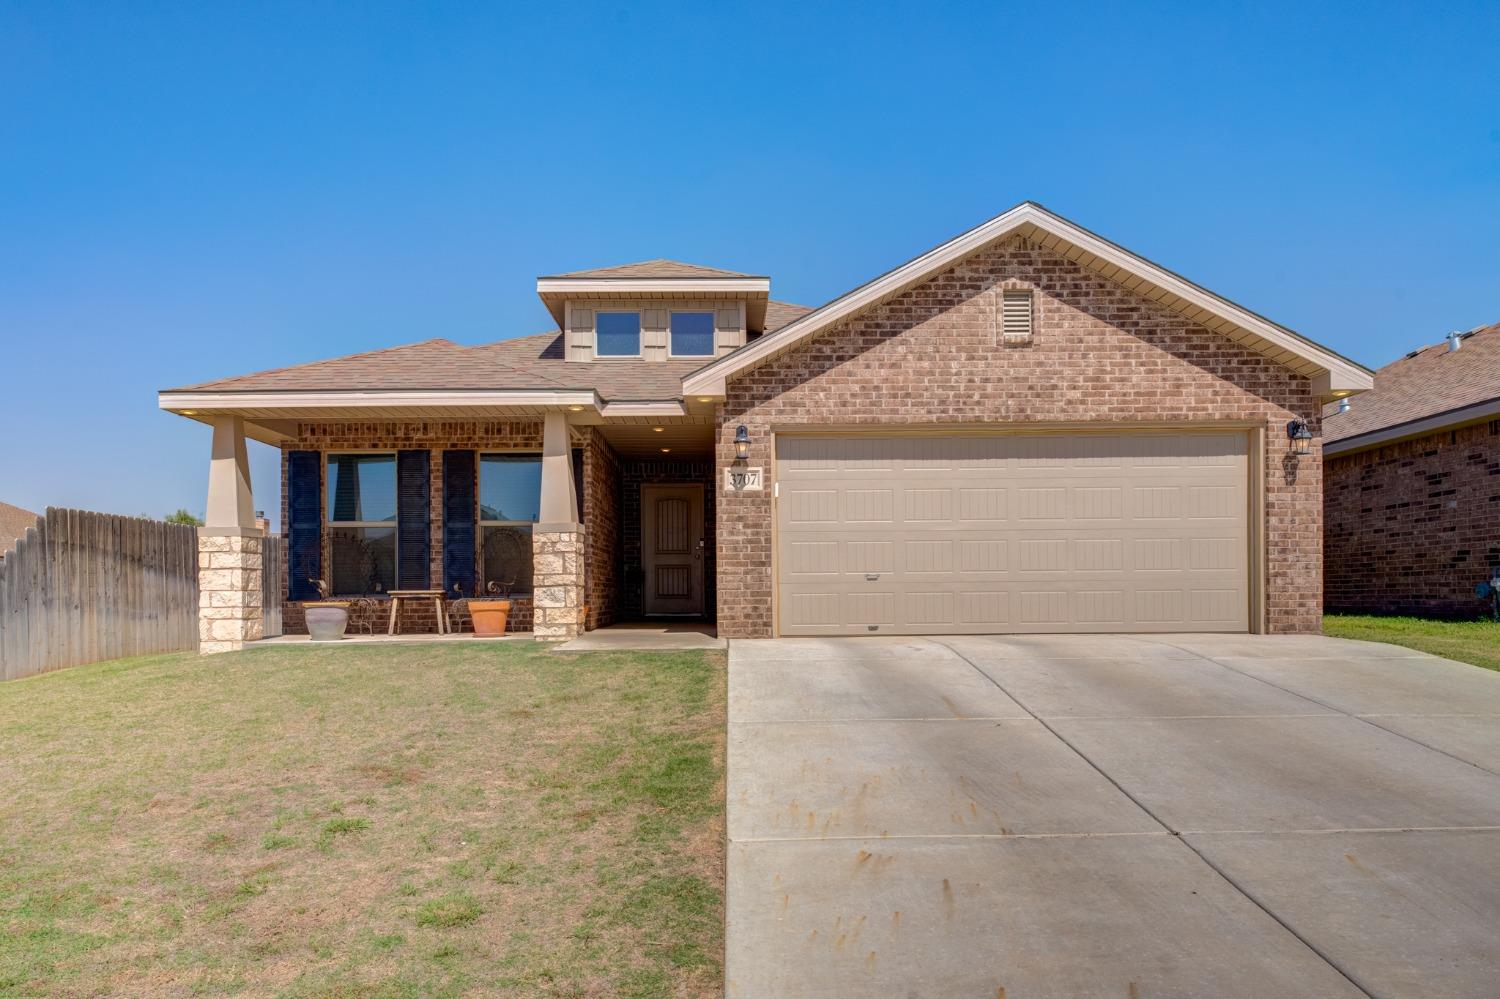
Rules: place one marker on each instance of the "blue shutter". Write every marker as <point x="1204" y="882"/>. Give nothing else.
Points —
<point x="304" y="557"/>
<point x="413" y="527"/>
<point x="460" y="502"/>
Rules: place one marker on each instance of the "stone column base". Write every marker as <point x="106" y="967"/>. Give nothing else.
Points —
<point x="557" y="579"/>
<point x="229" y="601"/>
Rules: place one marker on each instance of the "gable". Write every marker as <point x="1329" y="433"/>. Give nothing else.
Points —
<point x="1331" y="374"/>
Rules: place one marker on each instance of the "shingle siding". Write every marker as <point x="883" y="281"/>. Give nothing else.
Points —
<point x="933" y="355"/>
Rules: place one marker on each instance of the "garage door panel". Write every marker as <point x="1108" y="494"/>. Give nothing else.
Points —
<point x="1100" y="532"/>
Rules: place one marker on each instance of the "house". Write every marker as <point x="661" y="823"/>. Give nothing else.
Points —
<point x="1412" y="483"/>
<point x="1025" y="429"/>
<point x="14" y="523"/>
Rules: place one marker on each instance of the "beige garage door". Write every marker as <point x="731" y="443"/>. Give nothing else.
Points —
<point x="1020" y="533"/>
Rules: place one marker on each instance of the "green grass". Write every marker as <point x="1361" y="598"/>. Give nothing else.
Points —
<point x="365" y="821"/>
<point x="1476" y="642"/>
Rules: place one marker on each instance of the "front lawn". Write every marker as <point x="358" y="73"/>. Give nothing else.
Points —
<point x="1476" y="642"/>
<point x="365" y="821"/>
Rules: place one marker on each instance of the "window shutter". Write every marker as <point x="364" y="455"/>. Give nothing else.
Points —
<point x="413" y="528"/>
<point x="304" y="558"/>
<point x="459" y="521"/>
<point x="1015" y="318"/>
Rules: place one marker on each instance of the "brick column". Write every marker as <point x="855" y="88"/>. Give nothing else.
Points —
<point x="557" y="573"/>
<point x="229" y="589"/>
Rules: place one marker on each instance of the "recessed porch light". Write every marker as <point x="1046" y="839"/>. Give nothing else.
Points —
<point x="705" y="398"/>
<point x="666" y="450"/>
<point x="576" y="409"/>
<point x="659" y="429"/>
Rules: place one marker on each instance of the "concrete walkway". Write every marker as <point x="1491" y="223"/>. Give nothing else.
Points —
<point x="643" y="636"/>
<point x="1111" y="816"/>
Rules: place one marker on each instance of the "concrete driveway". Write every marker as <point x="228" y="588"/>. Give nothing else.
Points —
<point x="1111" y="816"/>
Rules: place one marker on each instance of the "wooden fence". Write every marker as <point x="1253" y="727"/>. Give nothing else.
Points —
<point x="83" y="587"/>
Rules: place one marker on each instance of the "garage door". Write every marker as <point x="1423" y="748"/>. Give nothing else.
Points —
<point x="1019" y="533"/>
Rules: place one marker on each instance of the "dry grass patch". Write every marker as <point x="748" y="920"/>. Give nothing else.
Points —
<point x="365" y="821"/>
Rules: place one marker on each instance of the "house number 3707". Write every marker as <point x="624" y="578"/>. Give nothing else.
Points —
<point x="744" y="480"/>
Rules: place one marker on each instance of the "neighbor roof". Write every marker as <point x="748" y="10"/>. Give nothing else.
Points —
<point x="14" y="523"/>
<point x="659" y="268"/>
<point x="528" y="362"/>
<point x="1427" y="390"/>
<point x="1331" y="373"/>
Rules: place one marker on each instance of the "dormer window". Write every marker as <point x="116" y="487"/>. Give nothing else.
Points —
<point x="617" y="334"/>
<point x="692" y="334"/>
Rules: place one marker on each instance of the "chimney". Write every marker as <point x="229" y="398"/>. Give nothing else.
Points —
<point x="261" y="522"/>
<point x="1455" y="341"/>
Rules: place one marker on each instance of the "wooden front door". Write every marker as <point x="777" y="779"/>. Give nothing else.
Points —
<point x="672" y="549"/>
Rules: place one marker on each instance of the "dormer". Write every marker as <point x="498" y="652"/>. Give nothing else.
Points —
<point x="656" y="310"/>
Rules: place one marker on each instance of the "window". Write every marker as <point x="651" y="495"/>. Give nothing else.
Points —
<point x="617" y="334"/>
<point x="510" y="501"/>
<point x="692" y="334"/>
<point x="361" y="523"/>
<point x="1015" y="319"/>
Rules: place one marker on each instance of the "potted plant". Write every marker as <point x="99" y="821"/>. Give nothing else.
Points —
<point x="489" y="613"/>
<point x="326" y="619"/>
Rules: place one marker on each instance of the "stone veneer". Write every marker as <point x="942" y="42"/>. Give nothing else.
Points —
<point x="1100" y="353"/>
<point x="558" y="588"/>
<point x="229" y="588"/>
<point x="1411" y="527"/>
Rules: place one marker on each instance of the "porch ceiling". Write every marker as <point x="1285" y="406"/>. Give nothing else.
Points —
<point x="675" y="439"/>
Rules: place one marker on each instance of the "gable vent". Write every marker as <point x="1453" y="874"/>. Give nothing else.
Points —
<point x="1015" y="315"/>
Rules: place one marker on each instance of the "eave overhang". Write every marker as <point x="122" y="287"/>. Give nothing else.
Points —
<point x="754" y="290"/>
<point x="1332" y="375"/>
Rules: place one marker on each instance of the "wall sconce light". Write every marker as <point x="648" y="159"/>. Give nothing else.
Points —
<point x="1300" y="436"/>
<point x="741" y="443"/>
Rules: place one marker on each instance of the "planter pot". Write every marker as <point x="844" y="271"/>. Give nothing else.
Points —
<point x="326" y="620"/>
<point x="489" y="616"/>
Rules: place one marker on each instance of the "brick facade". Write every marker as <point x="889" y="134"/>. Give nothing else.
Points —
<point x="933" y="355"/>
<point x="1411" y="527"/>
<point x="437" y="436"/>
<point x="635" y="474"/>
<point x="601" y="520"/>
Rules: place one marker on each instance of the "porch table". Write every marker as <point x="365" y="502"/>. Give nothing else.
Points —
<point x="436" y="596"/>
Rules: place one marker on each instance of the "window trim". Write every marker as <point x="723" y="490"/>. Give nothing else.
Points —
<point x="640" y="336"/>
<point x="394" y="524"/>
<point x="480" y="523"/>
<point x="713" y="330"/>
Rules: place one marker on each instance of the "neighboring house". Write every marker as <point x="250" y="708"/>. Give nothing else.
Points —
<point x="14" y="523"/>
<point x="1412" y="483"/>
<point x="1025" y="429"/>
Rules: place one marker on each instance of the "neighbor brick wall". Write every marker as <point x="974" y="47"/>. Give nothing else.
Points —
<point x="1410" y="528"/>
<point x="436" y="435"/>
<point x="601" y="518"/>
<point x="633" y="475"/>
<point x="932" y="355"/>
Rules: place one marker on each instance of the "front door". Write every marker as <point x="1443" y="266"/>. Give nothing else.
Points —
<point x="672" y="549"/>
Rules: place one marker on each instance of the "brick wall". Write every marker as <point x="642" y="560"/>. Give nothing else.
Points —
<point x="601" y="518"/>
<point x="932" y="355"/>
<point x="1410" y="528"/>
<point x="633" y="475"/>
<point x="436" y="435"/>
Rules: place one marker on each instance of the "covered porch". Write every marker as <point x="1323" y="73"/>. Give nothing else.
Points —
<point x="583" y="518"/>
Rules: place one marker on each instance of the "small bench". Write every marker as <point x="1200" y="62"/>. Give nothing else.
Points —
<point x="436" y="596"/>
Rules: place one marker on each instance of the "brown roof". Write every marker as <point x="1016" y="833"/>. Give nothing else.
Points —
<point x="660" y="268"/>
<point x="14" y="523"/>
<point x="778" y="314"/>
<point x="1426" y="382"/>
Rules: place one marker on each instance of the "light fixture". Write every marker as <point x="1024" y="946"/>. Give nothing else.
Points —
<point x="576" y="409"/>
<point x="705" y="398"/>
<point x="189" y="412"/>
<point x="1300" y="436"/>
<point x="741" y="443"/>
<point x="666" y="450"/>
<point x="658" y="429"/>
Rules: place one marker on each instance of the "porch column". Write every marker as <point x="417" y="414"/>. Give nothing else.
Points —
<point x="229" y="547"/>
<point x="557" y="540"/>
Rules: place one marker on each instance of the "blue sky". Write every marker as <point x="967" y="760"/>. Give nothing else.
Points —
<point x="189" y="191"/>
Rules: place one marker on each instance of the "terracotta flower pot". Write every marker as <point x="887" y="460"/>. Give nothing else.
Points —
<point x="326" y="620"/>
<point x="489" y="616"/>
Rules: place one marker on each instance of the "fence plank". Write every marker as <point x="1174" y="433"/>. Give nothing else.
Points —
<point x="81" y="587"/>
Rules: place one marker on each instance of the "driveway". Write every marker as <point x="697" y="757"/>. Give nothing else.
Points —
<point x="1111" y="816"/>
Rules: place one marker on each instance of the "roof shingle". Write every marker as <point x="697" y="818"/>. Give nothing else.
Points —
<point x="14" y="523"/>
<point x="1426" y="382"/>
<point x="659" y="268"/>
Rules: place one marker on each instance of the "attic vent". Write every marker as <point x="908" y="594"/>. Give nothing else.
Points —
<point x="1015" y="316"/>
